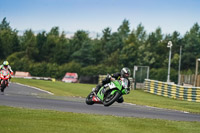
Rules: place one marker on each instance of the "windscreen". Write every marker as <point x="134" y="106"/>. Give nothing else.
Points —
<point x="124" y="83"/>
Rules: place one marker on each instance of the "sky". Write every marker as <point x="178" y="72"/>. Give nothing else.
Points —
<point x="96" y="15"/>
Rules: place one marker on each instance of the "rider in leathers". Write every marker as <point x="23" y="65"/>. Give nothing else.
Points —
<point x="125" y="73"/>
<point x="6" y="66"/>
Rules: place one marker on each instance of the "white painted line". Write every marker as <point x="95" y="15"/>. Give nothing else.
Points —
<point x="158" y="108"/>
<point x="35" y="88"/>
<point x="186" y="112"/>
<point x="129" y="103"/>
<point x="168" y="109"/>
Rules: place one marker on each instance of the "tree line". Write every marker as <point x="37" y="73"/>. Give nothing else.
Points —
<point x="52" y="54"/>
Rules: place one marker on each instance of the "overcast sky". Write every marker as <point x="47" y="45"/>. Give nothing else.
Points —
<point x="96" y="15"/>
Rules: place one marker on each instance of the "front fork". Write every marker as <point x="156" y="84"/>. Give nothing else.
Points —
<point x="6" y="82"/>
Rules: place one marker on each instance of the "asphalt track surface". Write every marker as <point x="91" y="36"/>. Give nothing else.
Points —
<point x="17" y="95"/>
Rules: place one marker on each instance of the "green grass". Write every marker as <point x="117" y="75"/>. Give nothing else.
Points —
<point x="58" y="88"/>
<point x="143" y="98"/>
<point x="19" y="120"/>
<point x="136" y="96"/>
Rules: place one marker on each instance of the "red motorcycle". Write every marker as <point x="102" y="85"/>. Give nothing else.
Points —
<point x="4" y="79"/>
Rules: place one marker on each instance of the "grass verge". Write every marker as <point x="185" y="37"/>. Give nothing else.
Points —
<point x="136" y="97"/>
<point x="19" y="120"/>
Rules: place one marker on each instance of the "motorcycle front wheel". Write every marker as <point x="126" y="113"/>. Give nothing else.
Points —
<point x="3" y="86"/>
<point x="110" y="99"/>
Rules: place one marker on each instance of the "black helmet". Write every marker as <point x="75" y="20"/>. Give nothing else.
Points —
<point x="125" y="72"/>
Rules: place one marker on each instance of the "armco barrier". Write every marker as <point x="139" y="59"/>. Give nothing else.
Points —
<point x="22" y="74"/>
<point x="39" y="78"/>
<point x="27" y="75"/>
<point x="172" y="90"/>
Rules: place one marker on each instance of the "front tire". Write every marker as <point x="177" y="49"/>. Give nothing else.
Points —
<point x="3" y="86"/>
<point x="89" y="99"/>
<point x="120" y="100"/>
<point x="110" y="99"/>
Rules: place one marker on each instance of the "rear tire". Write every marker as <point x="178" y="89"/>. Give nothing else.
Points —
<point x="110" y="99"/>
<point x="89" y="99"/>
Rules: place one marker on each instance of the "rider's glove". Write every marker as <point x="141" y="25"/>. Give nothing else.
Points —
<point x="106" y="80"/>
<point x="110" y="78"/>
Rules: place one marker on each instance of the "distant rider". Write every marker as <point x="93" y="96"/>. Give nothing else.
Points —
<point x="6" y="66"/>
<point x="125" y="73"/>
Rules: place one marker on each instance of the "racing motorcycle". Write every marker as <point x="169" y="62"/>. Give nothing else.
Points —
<point x="4" y="79"/>
<point x="109" y="93"/>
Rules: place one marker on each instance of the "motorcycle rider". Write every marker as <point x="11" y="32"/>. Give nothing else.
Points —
<point x="6" y="66"/>
<point x="125" y="73"/>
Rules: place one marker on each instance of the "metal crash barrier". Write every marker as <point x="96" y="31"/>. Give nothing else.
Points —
<point x="27" y="75"/>
<point x="172" y="90"/>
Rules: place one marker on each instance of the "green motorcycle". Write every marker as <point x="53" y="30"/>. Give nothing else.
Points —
<point x="109" y="93"/>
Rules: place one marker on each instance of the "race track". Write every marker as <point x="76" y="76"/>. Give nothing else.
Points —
<point x="22" y="96"/>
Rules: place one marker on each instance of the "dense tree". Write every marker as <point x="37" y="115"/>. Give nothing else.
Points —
<point x="49" y="47"/>
<point x="117" y="39"/>
<point x="41" y="40"/>
<point x="52" y="53"/>
<point x="98" y="53"/>
<point x="62" y="52"/>
<point x="135" y="44"/>
<point x="114" y="44"/>
<point x="177" y="43"/>
<point x="124" y="29"/>
<point x="5" y="25"/>
<point x="84" y="55"/>
<point x="30" y="45"/>
<point x="191" y="49"/>
<point x="106" y="37"/>
<point x="9" y="42"/>
<point x="154" y="50"/>
<point x="79" y="38"/>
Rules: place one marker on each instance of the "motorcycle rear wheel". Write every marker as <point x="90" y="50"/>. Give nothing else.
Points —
<point x="89" y="99"/>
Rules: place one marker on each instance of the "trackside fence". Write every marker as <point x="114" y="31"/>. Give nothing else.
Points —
<point x="190" y="79"/>
<point x="172" y="90"/>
